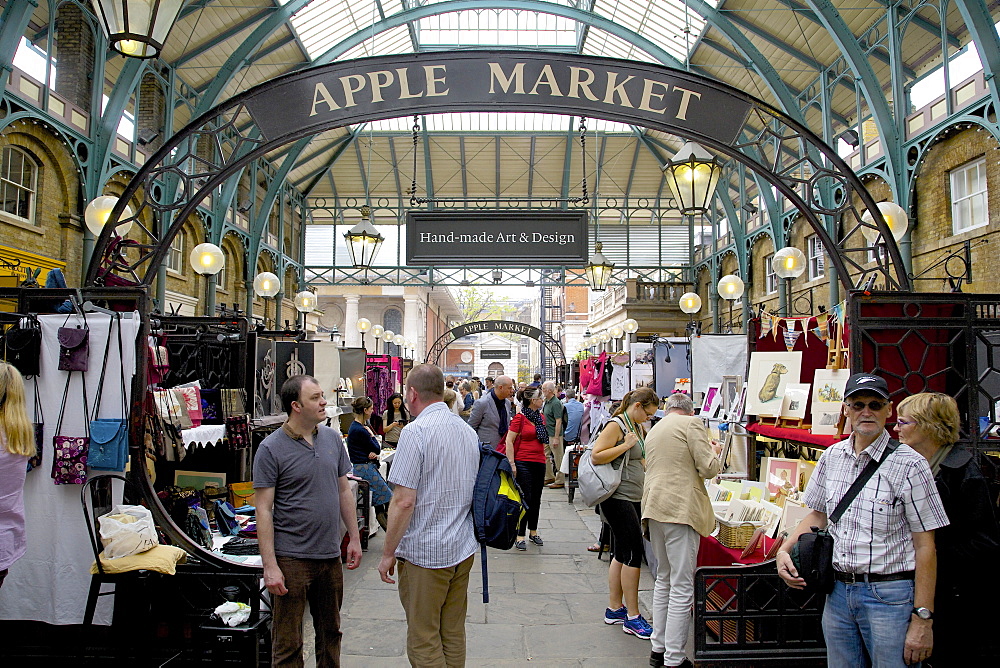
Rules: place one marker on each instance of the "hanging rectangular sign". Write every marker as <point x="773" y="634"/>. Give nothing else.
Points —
<point x="490" y="237"/>
<point x="494" y="354"/>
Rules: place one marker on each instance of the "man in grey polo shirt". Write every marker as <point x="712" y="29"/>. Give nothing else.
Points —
<point x="430" y="522"/>
<point x="302" y="493"/>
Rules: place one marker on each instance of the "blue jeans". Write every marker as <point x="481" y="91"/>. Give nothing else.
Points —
<point x="865" y="624"/>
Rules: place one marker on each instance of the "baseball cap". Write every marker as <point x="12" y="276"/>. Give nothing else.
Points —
<point x="866" y="382"/>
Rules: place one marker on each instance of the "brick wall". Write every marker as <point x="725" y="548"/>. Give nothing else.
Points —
<point x="74" y="51"/>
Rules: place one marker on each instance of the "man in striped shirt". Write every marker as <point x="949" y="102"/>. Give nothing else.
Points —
<point x="879" y="613"/>
<point x="430" y="532"/>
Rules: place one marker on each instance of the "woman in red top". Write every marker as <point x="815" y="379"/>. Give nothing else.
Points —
<point x="525" y="449"/>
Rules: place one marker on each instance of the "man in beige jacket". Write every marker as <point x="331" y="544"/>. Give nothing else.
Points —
<point x="675" y="510"/>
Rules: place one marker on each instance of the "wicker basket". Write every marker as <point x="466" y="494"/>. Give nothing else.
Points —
<point x="736" y="535"/>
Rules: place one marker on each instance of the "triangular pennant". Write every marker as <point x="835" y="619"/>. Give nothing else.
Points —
<point x="790" y="324"/>
<point x="765" y="326"/>
<point x="790" y="339"/>
<point x="823" y="326"/>
<point x="775" y="320"/>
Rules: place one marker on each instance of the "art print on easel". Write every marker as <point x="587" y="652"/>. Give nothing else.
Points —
<point x="769" y="373"/>
<point x="712" y="400"/>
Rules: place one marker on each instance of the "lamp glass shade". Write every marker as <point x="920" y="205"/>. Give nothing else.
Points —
<point x="266" y="285"/>
<point x="631" y="326"/>
<point x="617" y="332"/>
<point x="605" y="337"/>
<point x="137" y="28"/>
<point x="364" y="325"/>
<point x="895" y="217"/>
<point x="363" y="242"/>
<point x="305" y="301"/>
<point x="789" y="262"/>
<point x="388" y="335"/>
<point x="690" y="302"/>
<point x="207" y="259"/>
<point x="378" y="331"/>
<point x="98" y="212"/>
<point x="693" y="174"/>
<point x="598" y="270"/>
<point x="731" y="287"/>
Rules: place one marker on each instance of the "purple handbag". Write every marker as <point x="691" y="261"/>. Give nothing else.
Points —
<point x="69" y="456"/>
<point x="74" y="348"/>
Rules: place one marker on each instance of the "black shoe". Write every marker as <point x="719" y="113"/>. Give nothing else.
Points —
<point x="521" y="545"/>
<point x="536" y="539"/>
<point x="686" y="664"/>
<point x="656" y="659"/>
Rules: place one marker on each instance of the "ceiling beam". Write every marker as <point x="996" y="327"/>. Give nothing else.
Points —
<point x="221" y="37"/>
<point x="531" y="166"/>
<point x="631" y="172"/>
<point x="395" y="172"/>
<point x="933" y="27"/>
<point x="461" y="156"/>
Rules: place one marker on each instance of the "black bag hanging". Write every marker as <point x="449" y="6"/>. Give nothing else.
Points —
<point x="109" y="436"/>
<point x="39" y="427"/>
<point x="74" y="345"/>
<point x="23" y="346"/>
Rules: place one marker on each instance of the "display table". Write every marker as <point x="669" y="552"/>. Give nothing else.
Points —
<point x="713" y="553"/>
<point x="206" y="434"/>
<point x="795" y="435"/>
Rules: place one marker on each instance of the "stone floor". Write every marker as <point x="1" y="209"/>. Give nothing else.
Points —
<point x="546" y="605"/>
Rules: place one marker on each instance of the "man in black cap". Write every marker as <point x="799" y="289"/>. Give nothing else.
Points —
<point x="880" y="612"/>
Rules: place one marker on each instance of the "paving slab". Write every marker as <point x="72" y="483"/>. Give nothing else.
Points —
<point x="555" y="583"/>
<point x="585" y="640"/>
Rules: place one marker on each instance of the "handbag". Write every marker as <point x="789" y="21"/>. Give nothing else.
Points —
<point x="812" y="554"/>
<point x="23" y="346"/>
<point x="69" y="453"/>
<point x="109" y="436"/>
<point x="39" y="427"/>
<point x="597" y="482"/>
<point x="237" y="424"/>
<point x="74" y="346"/>
<point x="241" y="494"/>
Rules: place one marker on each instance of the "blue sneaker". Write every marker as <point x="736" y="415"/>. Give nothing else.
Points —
<point x="638" y="627"/>
<point x="615" y="616"/>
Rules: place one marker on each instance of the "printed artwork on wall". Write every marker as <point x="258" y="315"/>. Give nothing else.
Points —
<point x="770" y="373"/>
<point x="793" y="404"/>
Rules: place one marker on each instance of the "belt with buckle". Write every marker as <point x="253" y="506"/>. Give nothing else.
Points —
<point x="854" y="578"/>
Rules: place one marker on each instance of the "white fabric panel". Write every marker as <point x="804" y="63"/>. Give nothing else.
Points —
<point x="714" y="356"/>
<point x="50" y="582"/>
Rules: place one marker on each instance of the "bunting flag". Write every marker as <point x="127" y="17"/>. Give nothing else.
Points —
<point x="790" y="338"/>
<point x="823" y="326"/>
<point x="765" y="325"/>
<point x="790" y="324"/>
<point x="821" y="335"/>
<point x="775" y="321"/>
<point x="838" y="312"/>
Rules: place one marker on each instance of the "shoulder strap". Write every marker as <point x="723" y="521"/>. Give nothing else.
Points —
<point x="861" y="480"/>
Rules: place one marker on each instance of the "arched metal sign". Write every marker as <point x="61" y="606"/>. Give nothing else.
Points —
<point x="503" y="327"/>
<point x="794" y="160"/>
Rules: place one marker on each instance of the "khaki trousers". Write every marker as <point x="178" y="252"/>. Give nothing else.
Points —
<point x="435" y="601"/>
<point x="554" y="451"/>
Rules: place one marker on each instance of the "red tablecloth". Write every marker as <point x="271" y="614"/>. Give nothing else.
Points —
<point x="714" y="553"/>
<point x="797" y="435"/>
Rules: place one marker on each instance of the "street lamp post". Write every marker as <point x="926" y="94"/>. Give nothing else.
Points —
<point x="266" y="286"/>
<point x="364" y="325"/>
<point x="730" y="288"/>
<point x="788" y="264"/>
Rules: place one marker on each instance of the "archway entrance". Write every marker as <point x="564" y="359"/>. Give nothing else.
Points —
<point x="495" y="370"/>
<point x="503" y="327"/>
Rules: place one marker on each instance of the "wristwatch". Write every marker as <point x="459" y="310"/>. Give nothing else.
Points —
<point x="923" y="613"/>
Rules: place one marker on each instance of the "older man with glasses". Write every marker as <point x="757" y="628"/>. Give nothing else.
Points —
<point x="880" y="612"/>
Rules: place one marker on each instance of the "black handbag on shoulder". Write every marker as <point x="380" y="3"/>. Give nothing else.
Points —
<point x="812" y="554"/>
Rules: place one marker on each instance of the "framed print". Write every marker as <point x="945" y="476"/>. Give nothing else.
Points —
<point x="825" y="418"/>
<point x="198" y="479"/>
<point x="828" y="385"/>
<point x="781" y="474"/>
<point x="793" y="403"/>
<point x="792" y="514"/>
<point x="736" y="414"/>
<point x="770" y="373"/>
<point x="806" y="467"/>
<point x="730" y="391"/>
<point x="711" y="400"/>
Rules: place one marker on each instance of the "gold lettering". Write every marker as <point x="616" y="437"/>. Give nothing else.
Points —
<point x="381" y="79"/>
<point x="322" y="96"/>
<point x="432" y="82"/>
<point x="647" y="94"/>
<point x="516" y="76"/>
<point x="686" y="96"/>
<point x="349" y="90"/>
<point x="617" y="88"/>
<point x="576" y="85"/>
<point x="546" y="78"/>
<point x="404" y="85"/>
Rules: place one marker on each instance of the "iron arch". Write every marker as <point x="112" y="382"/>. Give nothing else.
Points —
<point x="501" y="326"/>
<point x="787" y="154"/>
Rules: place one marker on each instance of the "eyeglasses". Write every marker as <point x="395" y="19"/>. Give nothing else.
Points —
<point x="905" y="423"/>
<point x="874" y="405"/>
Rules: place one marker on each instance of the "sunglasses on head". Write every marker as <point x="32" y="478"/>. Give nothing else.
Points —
<point x="875" y="405"/>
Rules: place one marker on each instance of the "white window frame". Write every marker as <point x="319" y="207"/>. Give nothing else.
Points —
<point x="31" y="189"/>
<point x="816" y="256"/>
<point x="175" y="254"/>
<point x="962" y="205"/>
<point x="220" y="278"/>
<point x="770" y="278"/>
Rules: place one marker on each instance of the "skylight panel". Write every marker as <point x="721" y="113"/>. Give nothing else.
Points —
<point x="667" y="23"/>
<point x="600" y="43"/>
<point x="496" y="27"/>
<point x="396" y="40"/>
<point x="323" y="24"/>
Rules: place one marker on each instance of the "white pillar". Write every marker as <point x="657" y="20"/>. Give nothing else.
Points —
<point x="411" y="322"/>
<point x="352" y="338"/>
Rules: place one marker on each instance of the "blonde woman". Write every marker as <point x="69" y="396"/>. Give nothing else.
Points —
<point x="17" y="444"/>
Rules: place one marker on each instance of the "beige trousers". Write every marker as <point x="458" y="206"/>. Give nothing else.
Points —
<point x="435" y="601"/>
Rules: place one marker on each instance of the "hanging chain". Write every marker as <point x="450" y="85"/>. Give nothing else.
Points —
<point x="583" y="149"/>
<point x="416" y="139"/>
